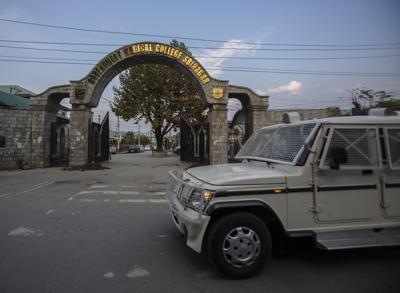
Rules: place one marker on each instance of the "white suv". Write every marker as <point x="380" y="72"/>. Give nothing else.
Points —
<point x="335" y="179"/>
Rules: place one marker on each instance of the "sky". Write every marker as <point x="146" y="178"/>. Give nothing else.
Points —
<point x="255" y="29"/>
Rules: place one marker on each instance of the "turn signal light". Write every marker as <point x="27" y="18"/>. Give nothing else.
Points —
<point x="207" y="195"/>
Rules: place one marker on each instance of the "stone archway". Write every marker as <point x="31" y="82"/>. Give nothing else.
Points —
<point x="44" y="109"/>
<point x="86" y="93"/>
<point x="254" y="106"/>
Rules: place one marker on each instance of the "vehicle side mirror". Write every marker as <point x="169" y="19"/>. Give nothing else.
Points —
<point x="338" y="156"/>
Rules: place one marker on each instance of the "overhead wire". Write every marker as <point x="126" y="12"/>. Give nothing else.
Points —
<point x="397" y="47"/>
<point x="235" y="69"/>
<point x="49" y="58"/>
<point x="196" y="56"/>
<point x="335" y="47"/>
<point x="190" y="38"/>
<point x="45" y="62"/>
<point x="54" y="49"/>
<point x="325" y="47"/>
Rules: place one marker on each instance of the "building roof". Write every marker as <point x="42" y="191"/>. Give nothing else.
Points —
<point x="16" y="90"/>
<point x="13" y="101"/>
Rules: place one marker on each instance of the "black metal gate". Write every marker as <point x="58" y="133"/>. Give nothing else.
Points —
<point x="195" y="142"/>
<point x="59" y="150"/>
<point x="99" y="149"/>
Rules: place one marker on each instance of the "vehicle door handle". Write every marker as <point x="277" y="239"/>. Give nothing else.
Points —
<point x="366" y="172"/>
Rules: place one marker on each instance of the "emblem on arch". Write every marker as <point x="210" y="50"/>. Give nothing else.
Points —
<point x="218" y="93"/>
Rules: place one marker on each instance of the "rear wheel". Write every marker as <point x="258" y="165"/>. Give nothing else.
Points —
<point x="238" y="245"/>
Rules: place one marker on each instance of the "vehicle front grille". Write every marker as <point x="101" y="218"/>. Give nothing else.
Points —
<point x="179" y="190"/>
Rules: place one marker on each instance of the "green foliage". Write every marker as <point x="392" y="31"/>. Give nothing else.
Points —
<point x="131" y="138"/>
<point x="392" y="104"/>
<point x="159" y="95"/>
<point x="144" y="140"/>
<point x="364" y="99"/>
<point x="128" y="138"/>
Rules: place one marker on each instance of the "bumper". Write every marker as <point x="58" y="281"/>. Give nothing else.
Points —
<point x="189" y="222"/>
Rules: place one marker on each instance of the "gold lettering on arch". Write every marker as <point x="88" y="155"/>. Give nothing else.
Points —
<point x="149" y="48"/>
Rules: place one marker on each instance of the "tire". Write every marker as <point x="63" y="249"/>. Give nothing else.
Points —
<point x="238" y="245"/>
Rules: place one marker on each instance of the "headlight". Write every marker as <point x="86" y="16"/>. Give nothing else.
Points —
<point x="199" y="199"/>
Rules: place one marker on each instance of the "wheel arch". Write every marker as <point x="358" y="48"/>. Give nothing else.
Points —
<point x="255" y="207"/>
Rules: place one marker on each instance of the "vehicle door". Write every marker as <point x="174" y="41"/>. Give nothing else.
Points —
<point x="390" y="179"/>
<point x="348" y="175"/>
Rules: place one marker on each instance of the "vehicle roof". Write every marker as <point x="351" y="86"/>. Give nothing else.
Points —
<point x="368" y="120"/>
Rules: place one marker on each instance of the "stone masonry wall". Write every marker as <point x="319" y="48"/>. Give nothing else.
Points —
<point x="41" y="131"/>
<point x="275" y="116"/>
<point x="81" y="118"/>
<point x="257" y="119"/>
<point x="15" y="126"/>
<point x="217" y="117"/>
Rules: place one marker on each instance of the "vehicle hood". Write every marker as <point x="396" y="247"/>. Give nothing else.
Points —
<point x="237" y="174"/>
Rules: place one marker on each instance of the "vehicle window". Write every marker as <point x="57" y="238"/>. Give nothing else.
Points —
<point x="360" y="145"/>
<point x="382" y="146"/>
<point x="2" y="141"/>
<point x="393" y="143"/>
<point x="281" y="143"/>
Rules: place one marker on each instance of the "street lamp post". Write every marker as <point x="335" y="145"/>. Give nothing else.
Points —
<point x="138" y="124"/>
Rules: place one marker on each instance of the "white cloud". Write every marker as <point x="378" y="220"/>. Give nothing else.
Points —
<point x="292" y="87"/>
<point x="234" y="104"/>
<point x="213" y="65"/>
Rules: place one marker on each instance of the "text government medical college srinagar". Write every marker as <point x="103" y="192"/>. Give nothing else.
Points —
<point x="146" y="48"/>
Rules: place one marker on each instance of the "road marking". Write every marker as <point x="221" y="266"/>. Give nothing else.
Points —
<point x="49" y="212"/>
<point x="5" y="194"/>
<point x="32" y="188"/>
<point x="127" y="200"/>
<point x="157" y="200"/>
<point x="26" y="231"/>
<point x="40" y="184"/>
<point x="132" y="200"/>
<point x="98" y="186"/>
<point x="109" y="275"/>
<point x="151" y="186"/>
<point x="137" y="272"/>
<point x="108" y="192"/>
<point x="88" y="199"/>
<point x="155" y="193"/>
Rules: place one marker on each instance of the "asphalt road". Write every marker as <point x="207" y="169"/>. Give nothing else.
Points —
<point x="110" y="231"/>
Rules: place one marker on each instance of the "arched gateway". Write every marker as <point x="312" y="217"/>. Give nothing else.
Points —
<point x="85" y="94"/>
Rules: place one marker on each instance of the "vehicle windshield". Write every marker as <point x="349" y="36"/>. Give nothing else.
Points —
<point x="283" y="143"/>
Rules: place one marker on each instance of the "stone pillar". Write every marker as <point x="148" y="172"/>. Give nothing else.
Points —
<point x="80" y="121"/>
<point x="42" y="117"/>
<point x="257" y="117"/>
<point x="218" y="119"/>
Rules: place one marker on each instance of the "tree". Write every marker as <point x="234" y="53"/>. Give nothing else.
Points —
<point x="159" y="95"/>
<point x="128" y="138"/>
<point x="364" y="99"/>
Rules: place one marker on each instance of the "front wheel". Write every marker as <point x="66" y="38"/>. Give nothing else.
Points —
<point x="238" y="245"/>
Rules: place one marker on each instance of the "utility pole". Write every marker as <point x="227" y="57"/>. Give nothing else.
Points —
<point x="138" y="124"/>
<point x="118" y="134"/>
<point x="139" y="132"/>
